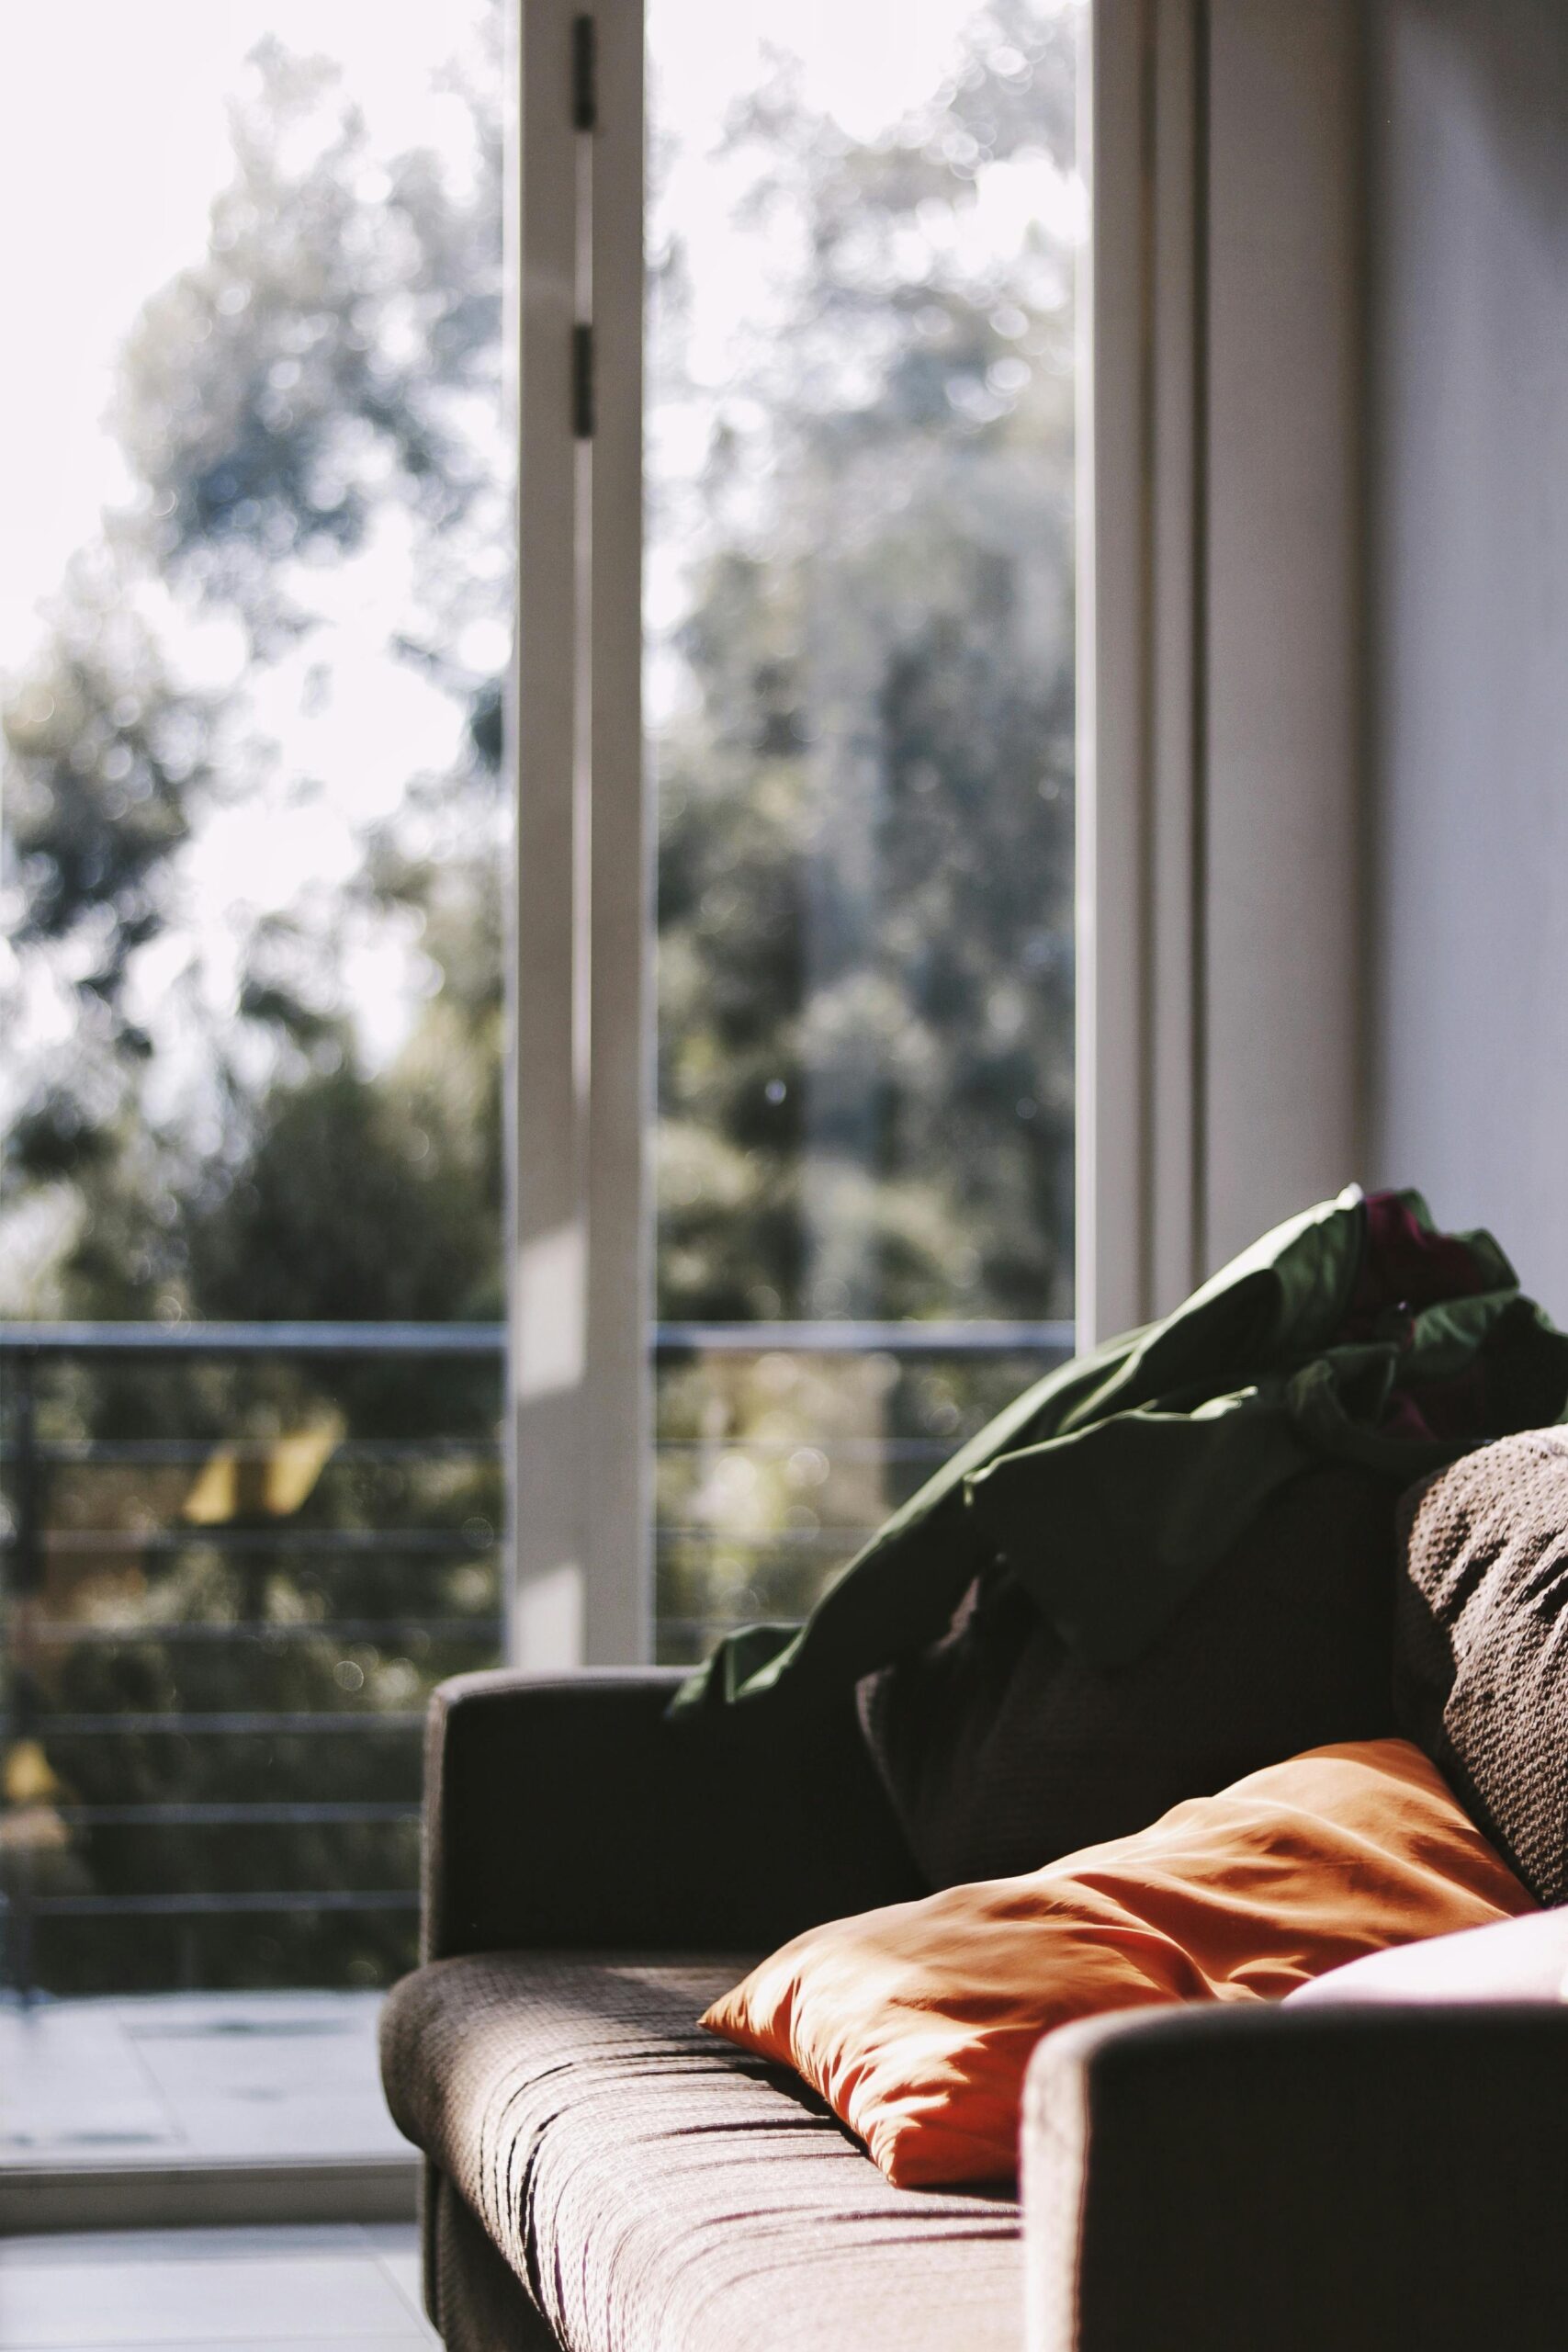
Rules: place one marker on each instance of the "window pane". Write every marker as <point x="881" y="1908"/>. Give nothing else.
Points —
<point x="254" y="613"/>
<point x="864" y="223"/>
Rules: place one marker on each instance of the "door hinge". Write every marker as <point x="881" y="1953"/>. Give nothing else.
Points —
<point x="582" y="383"/>
<point x="584" y="74"/>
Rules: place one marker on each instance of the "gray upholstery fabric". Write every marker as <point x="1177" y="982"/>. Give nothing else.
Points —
<point x="1481" y="1645"/>
<point x="1290" y="2179"/>
<point x="660" y="2191"/>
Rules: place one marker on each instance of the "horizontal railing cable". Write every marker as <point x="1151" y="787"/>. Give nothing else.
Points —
<point x="270" y="1631"/>
<point x="266" y="1814"/>
<point x="912" y="1336"/>
<point x="236" y="1723"/>
<point x="63" y="1541"/>
<point x="214" y="1906"/>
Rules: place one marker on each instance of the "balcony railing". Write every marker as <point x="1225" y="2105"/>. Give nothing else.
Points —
<point x="237" y="1558"/>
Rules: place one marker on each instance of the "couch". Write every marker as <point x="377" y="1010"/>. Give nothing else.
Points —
<point x="602" y="2176"/>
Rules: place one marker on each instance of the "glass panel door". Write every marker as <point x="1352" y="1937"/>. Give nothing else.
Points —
<point x="864" y="228"/>
<point x="255" y="594"/>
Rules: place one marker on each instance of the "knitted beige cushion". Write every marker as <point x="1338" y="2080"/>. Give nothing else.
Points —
<point x="1481" y="1644"/>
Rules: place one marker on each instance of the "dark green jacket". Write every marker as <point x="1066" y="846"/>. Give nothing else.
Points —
<point x="1354" y="1333"/>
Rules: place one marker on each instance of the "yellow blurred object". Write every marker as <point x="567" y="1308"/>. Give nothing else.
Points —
<point x="256" y="1482"/>
<point x="27" y="1777"/>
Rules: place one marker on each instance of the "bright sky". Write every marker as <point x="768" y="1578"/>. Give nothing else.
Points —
<point x="111" y="170"/>
<point x="112" y="140"/>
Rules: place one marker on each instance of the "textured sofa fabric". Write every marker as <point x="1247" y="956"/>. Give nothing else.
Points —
<point x="1002" y="1749"/>
<point x="1481" y="1653"/>
<point x="658" y="2192"/>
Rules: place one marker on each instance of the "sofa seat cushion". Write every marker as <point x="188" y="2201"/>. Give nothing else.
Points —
<point x="656" y="2188"/>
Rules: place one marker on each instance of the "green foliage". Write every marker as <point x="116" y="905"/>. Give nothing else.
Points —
<point x="322" y="358"/>
<point x="865" y="837"/>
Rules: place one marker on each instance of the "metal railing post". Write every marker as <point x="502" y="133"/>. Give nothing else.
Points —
<point x="25" y="1581"/>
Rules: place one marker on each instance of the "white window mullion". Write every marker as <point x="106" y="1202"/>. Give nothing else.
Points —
<point x="618" y="1453"/>
<point x="577" y="1086"/>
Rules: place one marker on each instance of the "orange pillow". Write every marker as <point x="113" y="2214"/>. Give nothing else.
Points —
<point x="916" y="2023"/>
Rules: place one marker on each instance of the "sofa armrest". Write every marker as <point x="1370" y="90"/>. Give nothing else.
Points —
<point x="1355" y="2178"/>
<point x="570" y="1810"/>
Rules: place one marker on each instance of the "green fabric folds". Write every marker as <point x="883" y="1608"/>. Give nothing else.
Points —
<point x="1356" y="1331"/>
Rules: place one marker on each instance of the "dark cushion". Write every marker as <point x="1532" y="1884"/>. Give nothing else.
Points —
<point x="656" y="2190"/>
<point x="1482" y="1644"/>
<point x="1002" y="1750"/>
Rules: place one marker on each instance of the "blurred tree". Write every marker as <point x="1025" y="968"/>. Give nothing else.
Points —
<point x="326" y="377"/>
<point x="866" y="800"/>
<point x="866" y="804"/>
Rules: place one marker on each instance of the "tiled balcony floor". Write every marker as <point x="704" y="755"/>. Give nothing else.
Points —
<point x="189" y="2091"/>
<point x="214" y="2291"/>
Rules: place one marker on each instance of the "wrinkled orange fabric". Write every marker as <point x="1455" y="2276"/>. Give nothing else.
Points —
<point x="916" y="2023"/>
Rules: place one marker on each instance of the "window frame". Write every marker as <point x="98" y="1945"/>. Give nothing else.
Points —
<point x="1222" y="840"/>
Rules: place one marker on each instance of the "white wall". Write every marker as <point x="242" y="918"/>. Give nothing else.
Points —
<point x="1468" y="1046"/>
<point x="1282" y="911"/>
<point x="1221" y="830"/>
